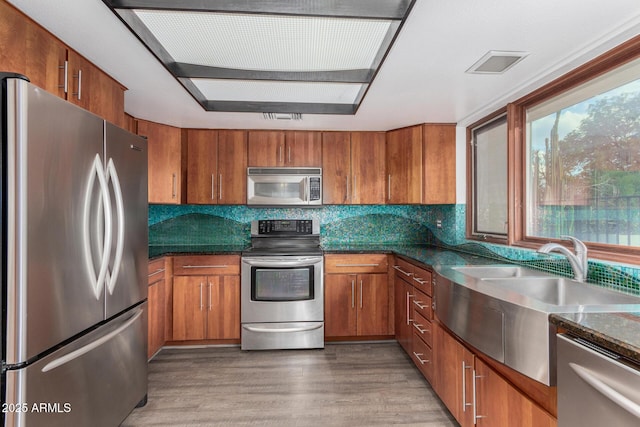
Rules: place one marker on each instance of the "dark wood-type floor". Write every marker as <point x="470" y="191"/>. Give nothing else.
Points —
<point x="342" y="385"/>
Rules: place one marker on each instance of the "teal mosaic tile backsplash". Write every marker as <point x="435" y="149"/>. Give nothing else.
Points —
<point x="366" y="224"/>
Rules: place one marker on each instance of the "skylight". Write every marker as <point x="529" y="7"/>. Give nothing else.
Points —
<point x="316" y="57"/>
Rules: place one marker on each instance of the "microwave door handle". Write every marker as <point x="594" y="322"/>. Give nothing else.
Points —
<point x="305" y="189"/>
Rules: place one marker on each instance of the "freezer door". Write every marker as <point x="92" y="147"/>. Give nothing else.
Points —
<point x="53" y="151"/>
<point x="95" y="381"/>
<point x="126" y="171"/>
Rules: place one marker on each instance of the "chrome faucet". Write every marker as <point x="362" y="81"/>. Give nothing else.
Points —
<point x="578" y="261"/>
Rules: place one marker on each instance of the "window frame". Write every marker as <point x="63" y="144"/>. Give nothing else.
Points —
<point x="517" y="156"/>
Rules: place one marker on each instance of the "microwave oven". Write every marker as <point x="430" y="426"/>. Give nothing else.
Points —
<point x="284" y="186"/>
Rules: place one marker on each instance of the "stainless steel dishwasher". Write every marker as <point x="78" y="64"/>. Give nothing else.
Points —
<point x="596" y="387"/>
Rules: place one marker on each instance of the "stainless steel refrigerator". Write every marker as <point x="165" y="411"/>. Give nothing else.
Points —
<point x="74" y="263"/>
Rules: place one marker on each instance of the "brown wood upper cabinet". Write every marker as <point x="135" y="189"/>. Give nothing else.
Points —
<point x="404" y="165"/>
<point x="439" y="162"/>
<point x="353" y="165"/>
<point x="284" y="148"/>
<point x="216" y="166"/>
<point x="421" y="164"/>
<point x="167" y="162"/>
<point x="28" y="49"/>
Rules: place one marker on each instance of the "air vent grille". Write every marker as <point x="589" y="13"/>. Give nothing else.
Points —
<point x="496" y="62"/>
<point x="282" y="116"/>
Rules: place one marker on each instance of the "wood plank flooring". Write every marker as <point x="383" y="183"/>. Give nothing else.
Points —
<point x="372" y="384"/>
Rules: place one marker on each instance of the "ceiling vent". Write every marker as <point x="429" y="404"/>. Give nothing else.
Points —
<point x="496" y="62"/>
<point x="282" y="116"/>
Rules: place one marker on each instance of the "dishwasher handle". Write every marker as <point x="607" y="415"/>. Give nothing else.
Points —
<point x="606" y="390"/>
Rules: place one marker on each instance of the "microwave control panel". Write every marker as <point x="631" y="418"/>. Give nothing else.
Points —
<point x="314" y="188"/>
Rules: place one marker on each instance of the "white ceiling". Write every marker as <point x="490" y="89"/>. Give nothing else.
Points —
<point x="422" y="80"/>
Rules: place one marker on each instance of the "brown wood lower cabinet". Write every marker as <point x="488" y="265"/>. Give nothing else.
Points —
<point x="206" y="298"/>
<point x="356" y="293"/>
<point x="156" y="306"/>
<point x="475" y="393"/>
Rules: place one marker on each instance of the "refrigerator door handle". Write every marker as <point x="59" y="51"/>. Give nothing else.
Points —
<point x="112" y="175"/>
<point x="94" y="344"/>
<point x="97" y="282"/>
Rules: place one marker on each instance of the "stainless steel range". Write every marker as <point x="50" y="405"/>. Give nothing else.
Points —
<point x="282" y="289"/>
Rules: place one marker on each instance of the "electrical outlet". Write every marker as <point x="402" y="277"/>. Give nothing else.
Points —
<point x="439" y="223"/>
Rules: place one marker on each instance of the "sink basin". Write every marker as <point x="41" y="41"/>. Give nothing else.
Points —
<point x="498" y="271"/>
<point x="563" y="292"/>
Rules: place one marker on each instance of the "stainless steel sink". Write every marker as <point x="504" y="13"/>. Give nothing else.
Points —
<point x="503" y="311"/>
<point x="563" y="292"/>
<point x="499" y="271"/>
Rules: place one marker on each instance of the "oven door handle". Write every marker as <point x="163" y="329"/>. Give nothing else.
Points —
<point x="277" y="330"/>
<point x="272" y="262"/>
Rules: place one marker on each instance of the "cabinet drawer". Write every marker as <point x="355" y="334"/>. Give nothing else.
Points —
<point x="156" y="270"/>
<point x="422" y="280"/>
<point x="207" y="265"/>
<point x="422" y="328"/>
<point x="404" y="270"/>
<point x="422" y="356"/>
<point x="355" y="263"/>
<point x="422" y="304"/>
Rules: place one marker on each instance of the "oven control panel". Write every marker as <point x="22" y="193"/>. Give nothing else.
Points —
<point x="286" y="226"/>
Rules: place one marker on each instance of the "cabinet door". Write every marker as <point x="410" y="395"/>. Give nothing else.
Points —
<point x="336" y="168"/>
<point x="156" y="304"/>
<point x="373" y="304"/>
<point x="498" y="403"/>
<point x="448" y="370"/>
<point x="165" y="151"/>
<point x="266" y="148"/>
<point x="368" y="166"/>
<point x="232" y="167"/>
<point x="14" y="28"/>
<point x="202" y="160"/>
<point x="223" y="320"/>
<point x="46" y="56"/>
<point x="189" y="308"/>
<point x="340" y="305"/>
<point x="403" y="296"/>
<point x="439" y="162"/>
<point x="303" y="148"/>
<point x="404" y="165"/>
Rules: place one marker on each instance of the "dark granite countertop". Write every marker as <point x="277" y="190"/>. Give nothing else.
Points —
<point x="618" y="332"/>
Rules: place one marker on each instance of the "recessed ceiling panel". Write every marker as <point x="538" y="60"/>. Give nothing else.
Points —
<point x="250" y="55"/>
<point x="272" y="91"/>
<point x="263" y="42"/>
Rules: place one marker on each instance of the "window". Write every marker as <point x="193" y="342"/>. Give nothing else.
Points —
<point x="582" y="164"/>
<point x="489" y="176"/>
<point x="572" y="166"/>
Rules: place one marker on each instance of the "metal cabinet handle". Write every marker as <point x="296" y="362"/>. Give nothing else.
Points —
<point x="419" y="304"/>
<point x="464" y="387"/>
<point x="209" y="296"/>
<point x="353" y="294"/>
<point x="289" y="154"/>
<point x="355" y="186"/>
<point x="409" y="296"/>
<point x="156" y="272"/>
<point x="406" y="273"/>
<point x="201" y="296"/>
<point x="213" y="187"/>
<point x="419" y="280"/>
<point x="389" y="187"/>
<point x="422" y="362"/>
<point x="347" y="196"/>
<point x="78" y="94"/>
<point x="205" y="266"/>
<point x="280" y="153"/>
<point x="357" y="265"/>
<point x="418" y="327"/>
<point x="475" y="401"/>
<point x="173" y="186"/>
<point x="220" y="187"/>
<point x="360" y="293"/>
<point x="65" y="83"/>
